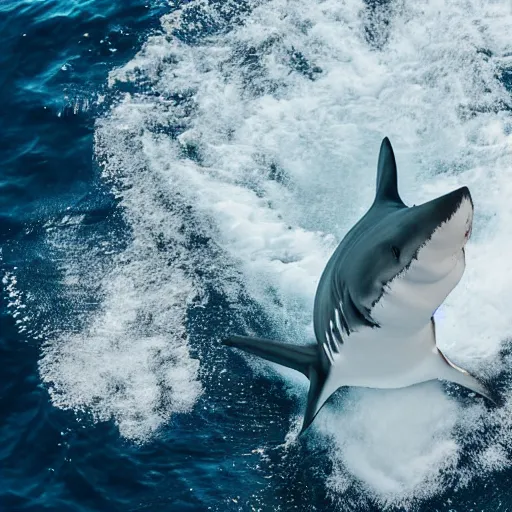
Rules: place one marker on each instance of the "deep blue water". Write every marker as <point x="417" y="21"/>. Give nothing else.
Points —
<point x="55" y="60"/>
<point x="53" y="459"/>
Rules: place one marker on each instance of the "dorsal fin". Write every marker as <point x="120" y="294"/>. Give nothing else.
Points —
<point x="387" y="187"/>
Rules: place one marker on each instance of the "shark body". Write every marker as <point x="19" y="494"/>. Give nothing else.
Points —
<point x="374" y="305"/>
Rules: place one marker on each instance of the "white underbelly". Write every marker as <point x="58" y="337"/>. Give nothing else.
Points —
<point x="385" y="359"/>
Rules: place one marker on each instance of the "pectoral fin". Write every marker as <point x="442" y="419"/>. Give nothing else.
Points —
<point x="298" y="357"/>
<point x="453" y="373"/>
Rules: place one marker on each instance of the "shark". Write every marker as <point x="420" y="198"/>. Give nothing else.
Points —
<point x="374" y="307"/>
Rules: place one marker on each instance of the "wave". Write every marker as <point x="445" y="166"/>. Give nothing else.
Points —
<point x="241" y="147"/>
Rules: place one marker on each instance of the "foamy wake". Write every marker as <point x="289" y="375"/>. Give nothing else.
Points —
<point x="267" y="133"/>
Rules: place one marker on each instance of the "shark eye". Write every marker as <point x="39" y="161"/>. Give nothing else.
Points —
<point x="396" y="252"/>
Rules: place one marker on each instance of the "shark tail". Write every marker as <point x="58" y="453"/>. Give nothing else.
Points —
<point x="303" y="358"/>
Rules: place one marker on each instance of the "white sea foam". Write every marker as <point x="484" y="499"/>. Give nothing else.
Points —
<point x="401" y="452"/>
<point x="282" y="117"/>
<point x="131" y="363"/>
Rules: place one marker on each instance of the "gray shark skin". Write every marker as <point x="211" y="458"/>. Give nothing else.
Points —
<point x="374" y="305"/>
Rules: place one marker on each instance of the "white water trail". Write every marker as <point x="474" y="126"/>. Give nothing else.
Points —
<point x="281" y="118"/>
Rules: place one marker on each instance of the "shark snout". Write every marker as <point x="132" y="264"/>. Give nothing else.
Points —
<point x="453" y="202"/>
<point x="454" y="212"/>
<point x="467" y="205"/>
<point x="465" y="212"/>
<point x="442" y="228"/>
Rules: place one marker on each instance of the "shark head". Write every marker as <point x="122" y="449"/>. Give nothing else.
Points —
<point x="400" y="258"/>
<point x="425" y="259"/>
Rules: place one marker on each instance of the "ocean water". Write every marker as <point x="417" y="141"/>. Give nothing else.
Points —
<point x="172" y="172"/>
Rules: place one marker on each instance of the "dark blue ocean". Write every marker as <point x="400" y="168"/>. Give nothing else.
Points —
<point x="175" y="172"/>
